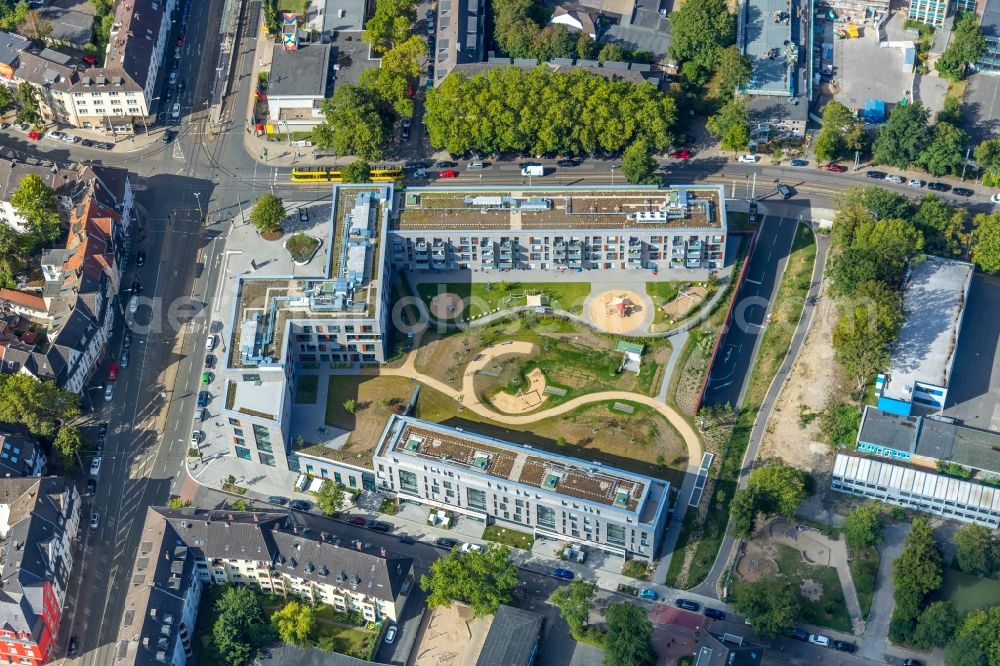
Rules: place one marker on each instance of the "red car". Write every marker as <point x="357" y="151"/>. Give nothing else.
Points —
<point x="448" y="173"/>
<point x="90" y="60"/>
<point x="681" y="154"/>
<point x="34" y="136"/>
<point x="409" y="91"/>
<point x="179" y="42"/>
<point x="836" y="168"/>
<point x="113" y="372"/>
<point x="356" y="520"/>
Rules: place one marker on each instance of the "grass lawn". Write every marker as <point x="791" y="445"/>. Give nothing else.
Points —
<point x="295" y="6"/>
<point x="350" y="640"/>
<point x="739" y="221"/>
<point x="831" y="610"/>
<point x="864" y="571"/>
<point x="704" y="537"/>
<point x="369" y="418"/>
<point x="508" y="537"/>
<point x="484" y="297"/>
<point x="305" y="389"/>
<point x="301" y="247"/>
<point x="968" y="592"/>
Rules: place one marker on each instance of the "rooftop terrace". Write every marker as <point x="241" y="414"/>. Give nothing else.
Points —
<point x="498" y="208"/>
<point x="767" y="27"/>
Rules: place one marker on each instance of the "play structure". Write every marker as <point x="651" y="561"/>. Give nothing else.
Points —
<point x="618" y="311"/>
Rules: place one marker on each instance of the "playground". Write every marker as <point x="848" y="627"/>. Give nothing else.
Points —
<point x="446" y="306"/>
<point x="619" y="311"/>
<point x="482" y="298"/>
<point x="525" y="400"/>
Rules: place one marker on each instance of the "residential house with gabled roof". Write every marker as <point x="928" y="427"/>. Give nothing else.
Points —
<point x="39" y="521"/>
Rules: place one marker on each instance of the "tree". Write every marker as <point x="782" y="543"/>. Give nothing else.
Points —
<point x="638" y="164"/>
<point x="240" y="504"/>
<point x="6" y="98"/>
<point x="179" y="503"/>
<point x="863" y="527"/>
<point x="354" y="125"/>
<point x="865" y="330"/>
<point x="294" y="622"/>
<point x="629" y="636"/>
<point x="986" y="242"/>
<point x="390" y="22"/>
<point x="831" y="142"/>
<point x="771" y="604"/>
<point x="484" y="580"/>
<point x="358" y="171"/>
<point x="27" y="104"/>
<point x="771" y="489"/>
<point x="700" y="29"/>
<point x="976" y="551"/>
<point x="892" y="242"/>
<point x="936" y="625"/>
<point x="388" y="85"/>
<point x="951" y="111"/>
<point x="514" y="28"/>
<point x="839" y="422"/>
<point x="586" y="48"/>
<point x="882" y="203"/>
<point x="942" y="227"/>
<point x="945" y="153"/>
<point x="330" y="498"/>
<point x="36" y="203"/>
<point x="575" y="601"/>
<point x="268" y="213"/>
<point x="967" y="45"/>
<point x="241" y="627"/>
<point x="350" y="406"/>
<point x="39" y="406"/>
<point x="67" y="445"/>
<point x="734" y="69"/>
<point x="903" y="137"/>
<point x="915" y="574"/>
<point x="965" y="651"/>
<point x="611" y="52"/>
<point x="987" y="155"/>
<point x="731" y="124"/>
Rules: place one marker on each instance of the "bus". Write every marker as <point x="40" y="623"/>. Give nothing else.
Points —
<point x="332" y="175"/>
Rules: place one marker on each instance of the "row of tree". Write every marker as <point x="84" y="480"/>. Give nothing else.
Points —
<point x="916" y="574"/>
<point x="626" y="634"/>
<point x="703" y="38"/>
<point x="540" y="112"/>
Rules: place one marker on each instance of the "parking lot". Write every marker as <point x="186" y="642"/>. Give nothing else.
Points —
<point x="864" y="71"/>
<point x="974" y="385"/>
<point x="981" y="108"/>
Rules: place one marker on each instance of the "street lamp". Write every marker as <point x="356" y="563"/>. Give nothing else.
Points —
<point x="201" y="214"/>
<point x="612" y="175"/>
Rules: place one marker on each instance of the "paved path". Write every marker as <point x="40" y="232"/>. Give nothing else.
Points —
<point x="874" y="641"/>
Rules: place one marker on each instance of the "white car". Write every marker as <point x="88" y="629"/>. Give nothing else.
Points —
<point x="995" y="198"/>
<point x="893" y="178"/>
<point x="175" y="112"/>
<point x="56" y="135"/>
<point x="133" y="304"/>
<point x="109" y="391"/>
<point x="819" y="639"/>
<point x="752" y="159"/>
<point x="69" y="138"/>
<point x="471" y="548"/>
<point x="95" y="466"/>
<point x="916" y="182"/>
<point x="210" y="342"/>
<point x="390" y="635"/>
<point x="173" y="78"/>
<point x="95" y="520"/>
<point x="196" y="438"/>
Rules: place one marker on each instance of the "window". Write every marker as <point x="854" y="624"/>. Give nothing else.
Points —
<point x="616" y="535"/>
<point x="243" y="453"/>
<point x="476" y="499"/>
<point x="545" y="517"/>
<point x="233" y="422"/>
<point x="263" y="437"/>
<point x="408" y="481"/>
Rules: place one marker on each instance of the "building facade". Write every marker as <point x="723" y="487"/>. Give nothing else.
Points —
<point x="20" y="455"/>
<point x="500" y="482"/>
<point x="931" y="12"/>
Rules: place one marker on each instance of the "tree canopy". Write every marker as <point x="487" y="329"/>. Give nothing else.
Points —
<point x="903" y="137"/>
<point x="867" y="327"/>
<point x="390" y="24"/>
<point x="353" y="124"/>
<point x="915" y="574"/>
<point x="629" y="634"/>
<point x="978" y="639"/>
<point x="388" y="84"/>
<point x="358" y="171"/>
<point x="330" y="498"/>
<point x="540" y="111"/>
<point x="699" y="30"/>
<point x="241" y="627"/>
<point x="986" y="242"/>
<point x="294" y="622"/>
<point x="863" y="527"/>
<point x="27" y="104"/>
<point x="39" y="406"/>
<point x="575" y="601"/>
<point x="68" y="443"/>
<point x="771" y="604"/>
<point x="36" y="203"/>
<point x="484" y="580"/>
<point x="772" y="489"/>
<point x="942" y="227"/>
<point x="840" y="133"/>
<point x="731" y="125"/>
<point x="976" y="550"/>
<point x="966" y="46"/>
<point x="987" y="154"/>
<point x="946" y="151"/>
<point x="267" y="213"/>
<point x="638" y="164"/>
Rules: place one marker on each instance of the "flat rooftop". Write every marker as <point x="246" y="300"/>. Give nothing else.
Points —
<point x="406" y="436"/>
<point x="889" y="430"/>
<point x="762" y="35"/>
<point x="303" y="72"/>
<point x="572" y="208"/>
<point x="934" y="299"/>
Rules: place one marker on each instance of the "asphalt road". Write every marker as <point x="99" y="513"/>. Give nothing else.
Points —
<point x="737" y="349"/>
<point x="975" y="400"/>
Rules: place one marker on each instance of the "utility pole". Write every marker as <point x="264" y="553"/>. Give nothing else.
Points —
<point x="239" y="202"/>
<point x="857" y="159"/>
<point x="753" y="194"/>
<point x="201" y="214"/>
<point x="967" y="151"/>
<point x="746" y="188"/>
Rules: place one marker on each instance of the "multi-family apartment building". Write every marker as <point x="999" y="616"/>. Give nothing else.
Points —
<point x="74" y="303"/>
<point x="117" y="97"/>
<point x="39" y="522"/>
<point x="573" y="228"/>
<point x="182" y="550"/>
<point x="499" y="482"/>
<point x="20" y="455"/>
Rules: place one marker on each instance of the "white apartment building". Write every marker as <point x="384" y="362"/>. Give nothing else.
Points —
<point x="499" y="482"/>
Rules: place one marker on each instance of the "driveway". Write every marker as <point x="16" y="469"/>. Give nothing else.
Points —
<point x="874" y="641"/>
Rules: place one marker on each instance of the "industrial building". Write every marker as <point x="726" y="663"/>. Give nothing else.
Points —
<point x="494" y="481"/>
<point x="934" y="297"/>
<point x="913" y="488"/>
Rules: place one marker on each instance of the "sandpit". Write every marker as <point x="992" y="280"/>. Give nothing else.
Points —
<point x="684" y="302"/>
<point x="447" y="306"/>
<point x="523" y="400"/>
<point x="618" y="311"/>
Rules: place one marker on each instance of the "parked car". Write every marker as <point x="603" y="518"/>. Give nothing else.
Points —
<point x="476" y="165"/>
<point x="406" y="129"/>
<point x="196" y="437"/>
<point x="714" y="613"/>
<point x="835" y="168"/>
<point x="168" y="136"/>
<point x="445" y="542"/>
<point x="912" y="662"/>
<point x="471" y="548"/>
<point x="300" y="505"/>
<point x="303" y="215"/>
<point x="91" y="488"/>
<point x="380" y="526"/>
<point x="995" y="198"/>
<point x="799" y="634"/>
<point x="113" y="372"/>
<point x="175" y="110"/>
<point x="915" y="182"/>
<point x="878" y="175"/>
<point x="210" y="342"/>
<point x="109" y="391"/>
<point x="95" y="466"/>
<point x="277" y="499"/>
<point x="124" y="362"/>
<point x="127" y="338"/>
<point x="687" y="604"/>
<point x="962" y="192"/>
<point x="69" y="138"/>
<point x="819" y="639"/>
<point x="140" y="259"/>
<point x="844" y="646"/>
<point x="86" y="143"/>
<point x="419" y="164"/>
<point x="55" y="135"/>
<point x="356" y="520"/>
<point x="390" y="635"/>
<point x="799" y="163"/>
<point x="751" y="159"/>
<point x="752" y="215"/>
<point x="445" y="164"/>
<point x="102" y="430"/>
<point x="203" y="397"/>
<point x="565" y="574"/>
<point x="133" y="304"/>
<point x="209" y="361"/>
<point x="136" y="287"/>
<point x="406" y="538"/>
<point x="568" y="164"/>
<point x="681" y="154"/>
<point x="105" y="146"/>
<point x="207" y="377"/>
<point x="938" y="187"/>
<point x="95" y="520"/>
<point x="648" y="594"/>
<point x="448" y="173"/>
<point x="200" y="414"/>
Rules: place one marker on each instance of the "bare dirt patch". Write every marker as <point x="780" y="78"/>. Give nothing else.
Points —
<point x="447" y="306"/>
<point x="525" y="400"/>
<point x="619" y="311"/>
<point x="684" y="302"/>
<point x="792" y="434"/>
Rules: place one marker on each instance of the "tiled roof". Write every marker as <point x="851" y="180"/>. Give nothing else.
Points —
<point x="23" y="299"/>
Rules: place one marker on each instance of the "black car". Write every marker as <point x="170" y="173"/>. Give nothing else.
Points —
<point x="912" y="662"/>
<point x="445" y="542"/>
<point x="140" y="259"/>
<point x="785" y="191"/>
<point x="181" y="86"/>
<point x="277" y="499"/>
<point x="445" y="164"/>
<point x="419" y="164"/>
<point x="209" y="361"/>
<point x="843" y="646"/>
<point x="74" y="645"/>
<point x="379" y="526"/>
<point x="300" y="505"/>
<point x="202" y="398"/>
<point x="962" y="192"/>
<point x="406" y="538"/>
<point x="938" y="187"/>
<point x="752" y="215"/>
<point x="879" y="175"/>
<point x="799" y="634"/>
<point x="567" y="163"/>
<point x="86" y="143"/>
<point x="136" y="287"/>
<point x="168" y="136"/>
<point x="102" y="430"/>
<point x="104" y="146"/>
<point x="687" y="604"/>
<point x="714" y="613"/>
<point x="91" y="487"/>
